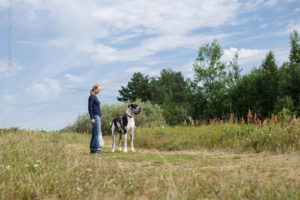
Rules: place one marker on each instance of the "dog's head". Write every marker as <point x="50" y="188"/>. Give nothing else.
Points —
<point x="135" y="108"/>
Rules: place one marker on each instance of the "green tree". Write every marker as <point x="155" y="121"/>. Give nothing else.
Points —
<point x="138" y="87"/>
<point x="212" y="80"/>
<point x="171" y="92"/>
<point x="235" y="70"/>
<point x="289" y="81"/>
<point x="257" y="91"/>
<point x="267" y="85"/>
<point x="245" y="93"/>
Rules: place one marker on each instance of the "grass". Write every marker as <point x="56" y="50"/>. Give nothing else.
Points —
<point x="273" y="136"/>
<point x="40" y="165"/>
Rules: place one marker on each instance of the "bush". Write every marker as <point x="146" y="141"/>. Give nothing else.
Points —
<point x="174" y="114"/>
<point x="285" y="103"/>
<point x="150" y="115"/>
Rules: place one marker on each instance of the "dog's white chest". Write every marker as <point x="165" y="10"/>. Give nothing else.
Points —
<point x="130" y="124"/>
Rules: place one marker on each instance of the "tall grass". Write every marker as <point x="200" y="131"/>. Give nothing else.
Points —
<point x="279" y="134"/>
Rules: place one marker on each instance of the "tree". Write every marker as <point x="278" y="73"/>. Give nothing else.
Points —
<point x="212" y="79"/>
<point x="170" y="90"/>
<point x="245" y="94"/>
<point x="267" y="85"/>
<point x="257" y="91"/>
<point x="289" y="80"/>
<point x="137" y="87"/>
<point x="295" y="48"/>
<point x="235" y="72"/>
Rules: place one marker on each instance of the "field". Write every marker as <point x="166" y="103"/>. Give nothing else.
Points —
<point x="53" y="165"/>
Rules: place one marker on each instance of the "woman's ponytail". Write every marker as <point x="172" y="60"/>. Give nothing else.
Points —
<point x="94" y="87"/>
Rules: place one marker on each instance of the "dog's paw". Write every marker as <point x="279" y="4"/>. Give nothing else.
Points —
<point x="112" y="150"/>
<point x="133" y="150"/>
<point x="120" y="149"/>
<point x="125" y="150"/>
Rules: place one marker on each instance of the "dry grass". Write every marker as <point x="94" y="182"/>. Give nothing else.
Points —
<point x="37" y="165"/>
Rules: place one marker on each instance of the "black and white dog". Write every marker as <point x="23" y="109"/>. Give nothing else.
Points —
<point x="123" y="125"/>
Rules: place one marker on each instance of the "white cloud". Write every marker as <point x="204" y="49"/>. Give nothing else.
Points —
<point x="293" y="25"/>
<point x="271" y="3"/>
<point x="74" y="78"/>
<point x="4" y="3"/>
<point x="252" y="5"/>
<point x="90" y="27"/>
<point x="8" y="97"/>
<point x="245" y="55"/>
<point x="47" y="90"/>
<point x="263" y="26"/>
<point x="249" y="58"/>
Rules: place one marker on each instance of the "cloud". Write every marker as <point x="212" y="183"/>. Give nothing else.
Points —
<point x="248" y="58"/>
<point x="92" y="27"/>
<point x="4" y="4"/>
<point x="245" y="55"/>
<point x="108" y="40"/>
<point x="47" y="90"/>
<point x="8" y="97"/>
<point x="252" y="5"/>
<point x="293" y="25"/>
<point x="74" y="78"/>
<point x="263" y="26"/>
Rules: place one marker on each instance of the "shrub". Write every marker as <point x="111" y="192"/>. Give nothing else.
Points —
<point x="150" y="115"/>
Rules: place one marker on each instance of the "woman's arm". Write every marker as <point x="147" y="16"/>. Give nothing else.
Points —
<point x="90" y="107"/>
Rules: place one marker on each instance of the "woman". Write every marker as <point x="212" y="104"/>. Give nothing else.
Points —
<point x="95" y="115"/>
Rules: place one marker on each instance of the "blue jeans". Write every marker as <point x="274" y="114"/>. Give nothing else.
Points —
<point x="94" y="144"/>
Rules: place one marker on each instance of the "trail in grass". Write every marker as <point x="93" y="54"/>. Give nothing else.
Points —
<point x="169" y="161"/>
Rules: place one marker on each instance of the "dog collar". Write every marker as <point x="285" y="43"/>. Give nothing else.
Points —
<point x="128" y="115"/>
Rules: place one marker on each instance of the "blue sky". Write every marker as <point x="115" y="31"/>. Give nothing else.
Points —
<point x="62" y="47"/>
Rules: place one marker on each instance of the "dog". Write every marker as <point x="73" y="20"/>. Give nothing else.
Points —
<point x="123" y="125"/>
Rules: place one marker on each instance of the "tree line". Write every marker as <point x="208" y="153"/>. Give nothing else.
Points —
<point x="218" y="88"/>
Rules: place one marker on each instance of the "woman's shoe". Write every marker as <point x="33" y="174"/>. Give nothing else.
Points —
<point x="93" y="151"/>
<point x="99" y="151"/>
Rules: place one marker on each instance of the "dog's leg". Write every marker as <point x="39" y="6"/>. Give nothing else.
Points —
<point x="125" y="141"/>
<point x="113" y="138"/>
<point x="120" y="138"/>
<point x="131" y="140"/>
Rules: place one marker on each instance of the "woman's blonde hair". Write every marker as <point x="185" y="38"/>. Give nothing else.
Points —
<point x="95" y="87"/>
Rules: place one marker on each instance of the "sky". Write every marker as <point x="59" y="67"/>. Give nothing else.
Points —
<point x="63" y="47"/>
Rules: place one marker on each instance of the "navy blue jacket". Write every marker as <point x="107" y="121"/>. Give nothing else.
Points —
<point x="94" y="106"/>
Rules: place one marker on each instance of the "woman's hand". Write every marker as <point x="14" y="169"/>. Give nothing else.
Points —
<point x="92" y="120"/>
<point x="102" y="118"/>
